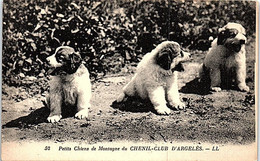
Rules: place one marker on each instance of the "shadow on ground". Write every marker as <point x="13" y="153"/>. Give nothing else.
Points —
<point x="38" y="116"/>
<point x="137" y="105"/>
<point x="134" y="104"/>
<point x="203" y="87"/>
<point x="196" y="87"/>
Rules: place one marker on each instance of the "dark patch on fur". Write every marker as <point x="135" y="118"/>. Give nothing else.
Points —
<point x="234" y="47"/>
<point x="165" y="61"/>
<point x="74" y="63"/>
<point x="228" y="78"/>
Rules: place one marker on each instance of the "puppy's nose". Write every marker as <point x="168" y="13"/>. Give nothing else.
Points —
<point x="242" y="41"/>
<point x="48" y="60"/>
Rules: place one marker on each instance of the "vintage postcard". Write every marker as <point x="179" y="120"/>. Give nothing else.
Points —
<point x="129" y="80"/>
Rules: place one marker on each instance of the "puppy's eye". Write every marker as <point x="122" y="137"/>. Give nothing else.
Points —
<point x="233" y="33"/>
<point x="60" y="58"/>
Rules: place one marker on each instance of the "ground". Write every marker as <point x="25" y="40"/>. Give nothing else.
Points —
<point x="224" y="117"/>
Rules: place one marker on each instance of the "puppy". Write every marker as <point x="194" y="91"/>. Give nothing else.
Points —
<point x="156" y="77"/>
<point x="69" y="84"/>
<point x="225" y="63"/>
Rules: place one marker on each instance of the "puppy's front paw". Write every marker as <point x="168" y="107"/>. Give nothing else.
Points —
<point x="163" y="110"/>
<point x="178" y="106"/>
<point x="82" y="114"/>
<point x="215" y="89"/>
<point x="243" y="88"/>
<point x="53" y="119"/>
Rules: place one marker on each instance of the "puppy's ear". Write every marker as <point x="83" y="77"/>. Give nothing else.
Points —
<point x="75" y="61"/>
<point x="164" y="60"/>
<point x="222" y="37"/>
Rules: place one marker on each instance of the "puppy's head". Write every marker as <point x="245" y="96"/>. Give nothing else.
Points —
<point x="170" y="56"/>
<point x="65" y="59"/>
<point x="232" y="36"/>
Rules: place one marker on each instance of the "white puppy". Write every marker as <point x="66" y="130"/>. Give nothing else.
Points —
<point x="156" y="77"/>
<point x="226" y="60"/>
<point x="69" y="84"/>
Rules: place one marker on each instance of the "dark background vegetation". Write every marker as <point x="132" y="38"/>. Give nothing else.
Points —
<point x="109" y="34"/>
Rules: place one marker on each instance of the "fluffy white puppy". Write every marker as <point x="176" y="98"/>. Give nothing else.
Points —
<point x="69" y="84"/>
<point x="225" y="63"/>
<point x="156" y="77"/>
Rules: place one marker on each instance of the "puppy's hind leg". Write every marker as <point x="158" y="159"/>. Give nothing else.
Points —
<point x="128" y="90"/>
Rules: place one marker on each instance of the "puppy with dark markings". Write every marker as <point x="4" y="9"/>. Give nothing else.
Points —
<point x="156" y="77"/>
<point x="69" y="85"/>
<point x="225" y="63"/>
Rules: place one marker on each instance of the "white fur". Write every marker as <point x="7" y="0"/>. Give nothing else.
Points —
<point x="220" y="56"/>
<point x="153" y="82"/>
<point x="55" y="118"/>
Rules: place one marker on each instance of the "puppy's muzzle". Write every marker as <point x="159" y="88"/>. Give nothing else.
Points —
<point x="184" y="56"/>
<point x="237" y="42"/>
<point x="52" y="62"/>
<point x="236" y="46"/>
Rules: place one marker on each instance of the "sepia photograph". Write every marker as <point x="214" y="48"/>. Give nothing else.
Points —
<point x="129" y="80"/>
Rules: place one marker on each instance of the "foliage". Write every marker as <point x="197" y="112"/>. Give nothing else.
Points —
<point x="108" y="34"/>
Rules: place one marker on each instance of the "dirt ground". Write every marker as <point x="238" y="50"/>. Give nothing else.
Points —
<point x="224" y="117"/>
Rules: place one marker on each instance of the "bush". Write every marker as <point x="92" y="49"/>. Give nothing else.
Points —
<point x="108" y="34"/>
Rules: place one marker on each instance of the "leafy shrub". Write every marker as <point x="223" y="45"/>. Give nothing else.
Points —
<point x="108" y="34"/>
